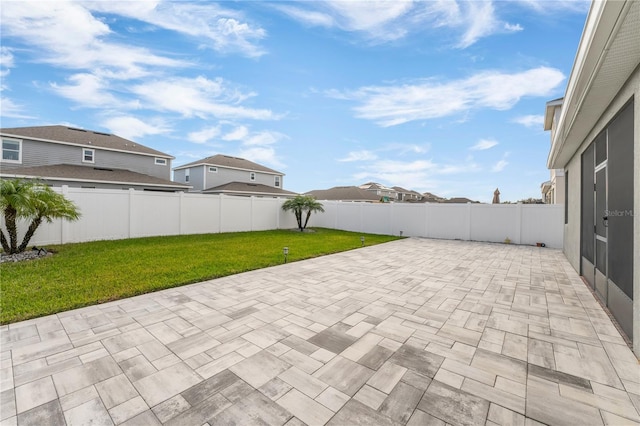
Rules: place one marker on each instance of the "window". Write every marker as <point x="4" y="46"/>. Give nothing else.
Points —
<point x="213" y="170"/>
<point x="11" y="151"/>
<point x="88" y="155"/>
<point x="161" y="161"/>
<point x="252" y="176"/>
<point x="186" y="175"/>
<point x="277" y="181"/>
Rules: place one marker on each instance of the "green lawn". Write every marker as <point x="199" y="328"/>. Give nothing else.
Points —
<point x="96" y="272"/>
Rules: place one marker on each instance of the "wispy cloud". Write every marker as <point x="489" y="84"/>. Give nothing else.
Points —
<point x="130" y="127"/>
<point x="221" y="29"/>
<point x="501" y="164"/>
<point x="263" y="155"/>
<point x="199" y="97"/>
<point x="429" y="98"/>
<point x="204" y="135"/>
<point x="530" y="120"/>
<point x="363" y="155"/>
<point x="383" y="21"/>
<point x="484" y="144"/>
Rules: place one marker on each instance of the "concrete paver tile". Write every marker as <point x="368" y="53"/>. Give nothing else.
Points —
<point x="260" y="368"/>
<point x="166" y="383"/>
<point x="115" y="391"/>
<point x="93" y="410"/>
<point x="34" y="393"/>
<point x="305" y="408"/>
<point x="387" y="377"/>
<point x="356" y="413"/>
<point x="303" y="382"/>
<point x="170" y="408"/>
<point x="401" y="402"/>
<point x="453" y="405"/>
<point x="332" y="398"/>
<point x="128" y="409"/>
<point x="344" y="375"/>
<point x="255" y="409"/>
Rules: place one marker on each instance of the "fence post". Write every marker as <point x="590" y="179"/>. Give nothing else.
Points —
<point x="180" y="212"/>
<point x="278" y="208"/>
<point x="251" y="207"/>
<point x="519" y="224"/>
<point x="64" y="224"/>
<point x="426" y="220"/>
<point x="468" y="221"/>
<point x="131" y="212"/>
<point x="220" y="196"/>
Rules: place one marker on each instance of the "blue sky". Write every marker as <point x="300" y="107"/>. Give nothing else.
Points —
<point x="438" y="96"/>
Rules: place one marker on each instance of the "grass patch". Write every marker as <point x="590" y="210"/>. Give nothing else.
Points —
<point x="96" y="272"/>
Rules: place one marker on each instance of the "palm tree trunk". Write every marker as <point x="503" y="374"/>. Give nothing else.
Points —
<point x="307" y="219"/>
<point x="32" y="229"/>
<point x="10" y="215"/>
<point x="5" y="243"/>
<point x="299" y="219"/>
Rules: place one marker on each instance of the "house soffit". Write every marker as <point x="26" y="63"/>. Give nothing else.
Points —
<point x="611" y="57"/>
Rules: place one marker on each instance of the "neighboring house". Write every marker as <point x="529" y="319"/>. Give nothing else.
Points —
<point x="384" y="193"/>
<point x="553" y="190"/>
<point x="231" y="175"/>
<point x="459" y="200"/>
<point x="345" y="193"/>
<point x="407" y="195"/>
<point x="61" y="155"/>
<point x="249" y="189"/>
<point x="428" y="197"/>
<point x="596" y="141"/>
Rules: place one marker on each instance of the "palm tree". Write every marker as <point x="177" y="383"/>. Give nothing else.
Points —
<point x="20" y="199"/>
<point x="300" y="204"/>
<point x="311" y="205"/>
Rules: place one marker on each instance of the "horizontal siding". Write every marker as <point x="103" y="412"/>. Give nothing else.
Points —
<point x="37" y="153"/>
<point x="231" y="175"/>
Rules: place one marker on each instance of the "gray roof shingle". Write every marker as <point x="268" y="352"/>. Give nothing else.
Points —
<point x="222" y="160"/>
<point x="344" y="193"/>
<point x="90" y="174"/>
<point x="248" y="188"/>
<point x="81" y="137"/>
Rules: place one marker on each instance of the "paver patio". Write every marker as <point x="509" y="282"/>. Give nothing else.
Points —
<point x="416" y="332"/>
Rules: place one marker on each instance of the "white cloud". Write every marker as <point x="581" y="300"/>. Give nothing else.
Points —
<point x="9" y="109"/>
<point x="132" y="128"/>
<point x="530" y="120"/>
<point x="204" y="135"/>
<point x="363" y="155"/>
<point x="501" y="164"/>
<point x="199" y="97"/>
<point x="88" y="90"/>
<point x="236" y="134"/>
<point x="262" y="155"/>
<point x="428" y="99"/>
<point x="392" y="19"/>
<point x="263" y="138"/>
<point x="6" y="61"/>
<point x="212" y="25"/>
<point x="69" y="36"/>
<point x="484" y="144"/>
<point x="548" y="7"/>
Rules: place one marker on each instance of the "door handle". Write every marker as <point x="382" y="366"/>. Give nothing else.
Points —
<point x="605" y="221"/>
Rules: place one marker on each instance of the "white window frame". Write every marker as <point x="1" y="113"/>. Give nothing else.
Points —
<point x="160" y="161"/>
<point x="19" y="142"/>
<point x="93" y="155"/>
<point x="186" y="175"/>
<point x="277" y="182"/>
<point x="213" y="169"/>
<point x="252" y="176"/>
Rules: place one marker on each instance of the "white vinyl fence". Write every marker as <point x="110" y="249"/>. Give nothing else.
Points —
<point x="118" y="214"/>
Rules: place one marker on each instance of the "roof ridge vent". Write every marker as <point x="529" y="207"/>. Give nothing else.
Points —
<point x="76" y="129"/>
